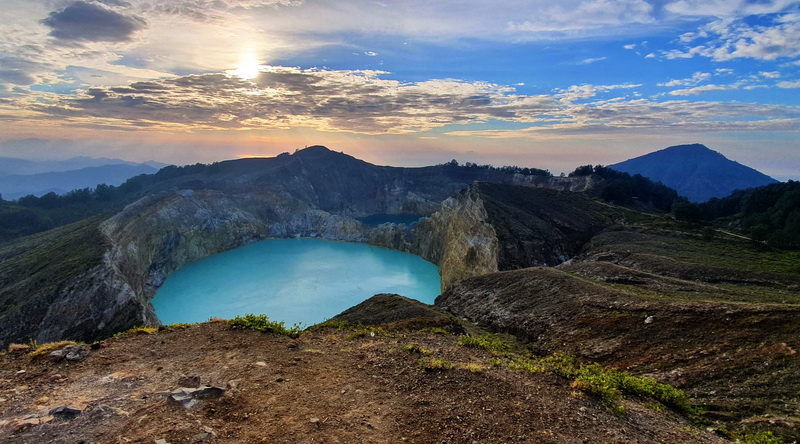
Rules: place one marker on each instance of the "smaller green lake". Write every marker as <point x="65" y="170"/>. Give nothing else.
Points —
<point x="292" y="280"/>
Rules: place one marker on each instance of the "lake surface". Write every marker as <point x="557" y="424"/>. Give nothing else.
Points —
<point x="292" y="280"/>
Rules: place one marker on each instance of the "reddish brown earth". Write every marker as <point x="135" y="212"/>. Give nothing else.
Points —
<point x="327" y="386"/>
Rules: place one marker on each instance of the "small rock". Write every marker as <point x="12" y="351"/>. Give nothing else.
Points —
<point x="20" y="372"/>
<point x="315" y="421"/>
<point x="71" y="353"/>
<point x="648" y="320"/>
<point x="292" y="346"/>
<point x="188" y="397"/>
<point x="206" y="392"/>
<point x="43" y="400"/>
<point x="189" y="381"/>
<point x="200" y="437"/>
<point x="161" y="441"/>
<point x="261" y="364"/>
<point x="56" y="378"/>
<point x="64" y="412"/>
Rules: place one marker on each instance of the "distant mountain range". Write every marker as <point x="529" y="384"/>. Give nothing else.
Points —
<point x="21" y="177"/>
<point x="695" y="172"/>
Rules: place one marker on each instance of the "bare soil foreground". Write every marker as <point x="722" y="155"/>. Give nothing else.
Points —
<point x="329" y="385"/>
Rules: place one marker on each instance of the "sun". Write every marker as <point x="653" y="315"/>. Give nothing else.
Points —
<point x="248" y="69"/>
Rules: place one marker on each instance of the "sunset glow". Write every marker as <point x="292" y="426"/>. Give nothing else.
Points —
<point x="534" y="83"/>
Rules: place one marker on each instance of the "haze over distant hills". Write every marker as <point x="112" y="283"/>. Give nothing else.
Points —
<point x="21" y="177"/>
<point x="695" y="172"/>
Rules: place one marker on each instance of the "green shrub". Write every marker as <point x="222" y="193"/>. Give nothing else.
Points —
<point x="138" y="330"/>
<point x="415" y="348"/>
<point x="262" y="323"/>
<point x="434" y="364"/>
<point x="487" y="342"/>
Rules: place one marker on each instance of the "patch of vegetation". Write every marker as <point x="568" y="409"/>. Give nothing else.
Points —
<point x="334" y="324"/>
<point x="749" y="437"/>
<point x="434" y="330"/>
<point x="488" y="342"/>
<point x="415" y="348"/>
<point x="46" y="349"/>
<point x="768" y="214"/>
<point x="263" y="323"/>
<point x="34" y="268"/>
<point x="608" y="384"/>
<point x="18" y="348"/>
<point x="434" y="364"/>
<point x="624" y="189"/>
<point x="472" y="367"/>
<point x="176" y="326"/>
<point x="30" y="214"/>
<point x="138" y="330"/>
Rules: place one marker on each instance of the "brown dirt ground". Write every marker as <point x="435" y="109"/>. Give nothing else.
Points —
<point x="326" y="386"/>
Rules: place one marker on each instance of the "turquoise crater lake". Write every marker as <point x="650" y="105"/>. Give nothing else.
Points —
<point x="292" y="280"/>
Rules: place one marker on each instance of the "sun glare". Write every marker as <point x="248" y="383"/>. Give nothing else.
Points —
<point x="247" y="70"/>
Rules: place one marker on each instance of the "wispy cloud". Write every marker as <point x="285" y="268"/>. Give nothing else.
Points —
<point x="592" y="60"/>
<point x="697" y="90"/>
<point x="696" y="78"/>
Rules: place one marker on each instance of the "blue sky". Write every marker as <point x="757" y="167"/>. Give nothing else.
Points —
<point x="534" y="83"/>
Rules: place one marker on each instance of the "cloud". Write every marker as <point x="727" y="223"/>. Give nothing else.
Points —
<point x="789" y="84"/>
<point x="693" y="80"/>
<point x="92" y="22"/>
<point x="726" y="8"/>
<point x="592" y="60"/>
<point x="283" y="97"/>
<point x="702" y="89"/>
<point x="647" y="117"/>
<point x="586" y="15"/>
<point x="734" y="38"/>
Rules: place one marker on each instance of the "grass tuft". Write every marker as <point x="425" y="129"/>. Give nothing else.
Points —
<point x="434" y="364"/>
<point x="487" y="342"/>
<point x="46" y="349"/>
<point x="415" y="348"/>
<point x="140" y="330"/>
<point x="262" y="323"/>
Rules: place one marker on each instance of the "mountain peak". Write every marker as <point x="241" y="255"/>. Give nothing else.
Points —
<point x="314" y="150"/>
<point x="695" y="171"/>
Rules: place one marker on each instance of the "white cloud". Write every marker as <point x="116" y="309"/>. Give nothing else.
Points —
<point x="586" y="15"/>
<point x="726" y="8"/>
<point x="693" y="80"/>
<point x="789" y="84"/>
<point x="631" y="46"/>
<point x="592" y="60"/>
<point x="733" y="38"/>
<point x="702" y="89"/>
<point x="770" y="74"/>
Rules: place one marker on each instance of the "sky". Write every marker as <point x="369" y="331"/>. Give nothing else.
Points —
<point x="546" y="84"/>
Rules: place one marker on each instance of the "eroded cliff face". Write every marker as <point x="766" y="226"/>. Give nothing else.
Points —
<point x="459" y="239"/>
